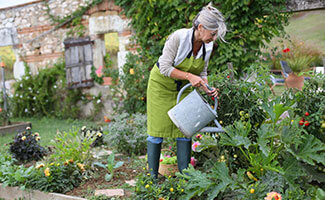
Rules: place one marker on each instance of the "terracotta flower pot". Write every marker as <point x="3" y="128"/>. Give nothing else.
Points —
<point x="107" y="81"/>
<point x="294" y="81"/>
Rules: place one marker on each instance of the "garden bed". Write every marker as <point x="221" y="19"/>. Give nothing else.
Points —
<point x="14" y="127"/>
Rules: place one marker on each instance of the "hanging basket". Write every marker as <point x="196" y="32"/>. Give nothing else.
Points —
<point x="168" y="169"/>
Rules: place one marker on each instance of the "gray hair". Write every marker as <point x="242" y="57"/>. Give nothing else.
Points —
<point x="212" y="19"/>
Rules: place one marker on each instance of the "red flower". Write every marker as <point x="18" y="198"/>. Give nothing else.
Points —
<point x="228" y="76"/>
<point x="285" y="50"/>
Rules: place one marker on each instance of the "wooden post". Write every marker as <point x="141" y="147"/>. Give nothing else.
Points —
<point x="5" y="108"/>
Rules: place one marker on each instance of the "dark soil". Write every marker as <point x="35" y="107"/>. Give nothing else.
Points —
<point x="128" y="171"/>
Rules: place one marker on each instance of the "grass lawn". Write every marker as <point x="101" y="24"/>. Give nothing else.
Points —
<point x="47" y="129"/>
<point x="308" y="26"/>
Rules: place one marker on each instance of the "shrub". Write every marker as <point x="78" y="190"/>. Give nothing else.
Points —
<point x="45" y="94"/>
<point x="72" y="145"/>
<point x="127" y="133"/>
<point x="58" y="177"/>
<point x="26" y="147"/>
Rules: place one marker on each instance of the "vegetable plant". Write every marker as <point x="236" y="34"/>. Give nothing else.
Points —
<point x="110" y="166"/>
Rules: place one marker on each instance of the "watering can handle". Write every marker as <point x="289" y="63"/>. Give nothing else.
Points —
<point x="189" y="85"/>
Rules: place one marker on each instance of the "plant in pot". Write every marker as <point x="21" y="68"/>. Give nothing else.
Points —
<point x="296" y="65"/>
<point x="105" y="75"/>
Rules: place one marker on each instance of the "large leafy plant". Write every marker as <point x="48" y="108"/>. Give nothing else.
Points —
<point x="280" y="155"/>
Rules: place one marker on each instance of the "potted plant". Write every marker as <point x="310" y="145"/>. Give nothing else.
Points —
<point x="105" y="75"/>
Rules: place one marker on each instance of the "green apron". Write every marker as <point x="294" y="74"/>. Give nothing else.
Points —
<point x="162" y="93"/>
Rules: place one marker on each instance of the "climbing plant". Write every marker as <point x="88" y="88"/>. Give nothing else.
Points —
<point x="250" y="24"/>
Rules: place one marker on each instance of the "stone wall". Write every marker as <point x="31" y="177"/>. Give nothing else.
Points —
<point x="300" y="5"/>
<point x="35" y="40"/>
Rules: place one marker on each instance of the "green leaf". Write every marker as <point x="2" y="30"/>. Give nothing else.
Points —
<point x="264" y="133"/>
<point x="311" y="150"/>
<point x="108" y="177"/>
<point x="100" y="165"/>
<point x="236" y="135"/>
<point x="118" y="164"/>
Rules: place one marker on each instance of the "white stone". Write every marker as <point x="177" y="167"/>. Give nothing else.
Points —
<point x="9" y="25"/>
<point x="131" y="182"/>
<point x="19" y="69"/>
<point x="105" y="24"/>
<point x="110" y="192"/>
<point x="2" y="16"/>
<point x="121" y="60"/>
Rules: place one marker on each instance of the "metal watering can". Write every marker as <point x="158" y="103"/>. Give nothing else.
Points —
<point x="193" y="113"/>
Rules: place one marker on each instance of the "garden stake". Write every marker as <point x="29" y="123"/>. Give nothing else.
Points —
<point x="2" y="65"/>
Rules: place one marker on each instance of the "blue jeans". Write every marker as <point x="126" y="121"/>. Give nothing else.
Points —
<point x="158" y="140"/>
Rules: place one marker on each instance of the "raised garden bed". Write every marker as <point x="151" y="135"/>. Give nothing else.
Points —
<point x="14" y="127"/>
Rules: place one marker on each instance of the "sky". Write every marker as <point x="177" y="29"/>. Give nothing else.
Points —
<point x="9" y="3"/>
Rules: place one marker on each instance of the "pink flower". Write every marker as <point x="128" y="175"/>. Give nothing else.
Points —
<point x="273" y="196"/>
<point x="99" y="71"/>
<point x="167" y="156"/>
<point x="199" y="136"/>
<point x="193" y="161"/>
<point x="170" y="147"/>
<point x="194" y="145"/>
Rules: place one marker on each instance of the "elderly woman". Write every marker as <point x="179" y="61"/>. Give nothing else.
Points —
<point x="184" y="59"/>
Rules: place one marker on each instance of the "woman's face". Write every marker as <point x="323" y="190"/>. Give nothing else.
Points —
<point x="206" y="35"/>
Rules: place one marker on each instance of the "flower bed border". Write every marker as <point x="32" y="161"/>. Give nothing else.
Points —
<point x="14" y="128"/>
<point x="9" y="193"/>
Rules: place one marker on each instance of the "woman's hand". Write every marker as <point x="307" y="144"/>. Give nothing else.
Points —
<point x="213" y="92"/>
<point x="195" y="80"/>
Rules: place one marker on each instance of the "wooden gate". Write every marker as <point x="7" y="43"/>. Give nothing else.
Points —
<point x="78" y="62"/>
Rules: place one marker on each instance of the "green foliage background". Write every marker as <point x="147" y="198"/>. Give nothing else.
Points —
<point x="249" y="22"/>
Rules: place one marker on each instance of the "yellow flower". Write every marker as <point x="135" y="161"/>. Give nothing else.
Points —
<point x="235" y="156"/>
<point x="171" y="189"/>
<point x="148" y="174"/>
<point x="39" y="166"/>
<point x="23" y="138"/>
<point x="37" y="138"/>
<point x="47" y="172"/>
<point x="147" y="186"/>
<point x="58" y="164"/>
<point x="250" y="176"/>
<point x="81" y="167"/>
<point x="36" y="134"/>
<point x="99" y="134"/>
<point x="66" y="163"/>
<point x="52" y="164"/>
<point x="182" y="190"/>
<point x="220" y="122"/>
<point x="131" y="71"/>
<point x="251" y="191"/>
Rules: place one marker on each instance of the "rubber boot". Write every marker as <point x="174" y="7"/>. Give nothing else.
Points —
<point x="153" y="151"/>
<point x="183" y="154"/>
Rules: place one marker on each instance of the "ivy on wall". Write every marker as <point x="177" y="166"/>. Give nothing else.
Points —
<point x="250" y="24"/>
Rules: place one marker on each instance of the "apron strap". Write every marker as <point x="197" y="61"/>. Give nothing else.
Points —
<point x="192" y="42"/>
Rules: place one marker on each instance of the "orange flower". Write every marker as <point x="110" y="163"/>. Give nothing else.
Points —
<point x="273" y="196"/>
<point x="81" y="167"/>
<point x="47" y="172"/>
<point x="70" y="161"/>
<point x="106" y="119"/>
